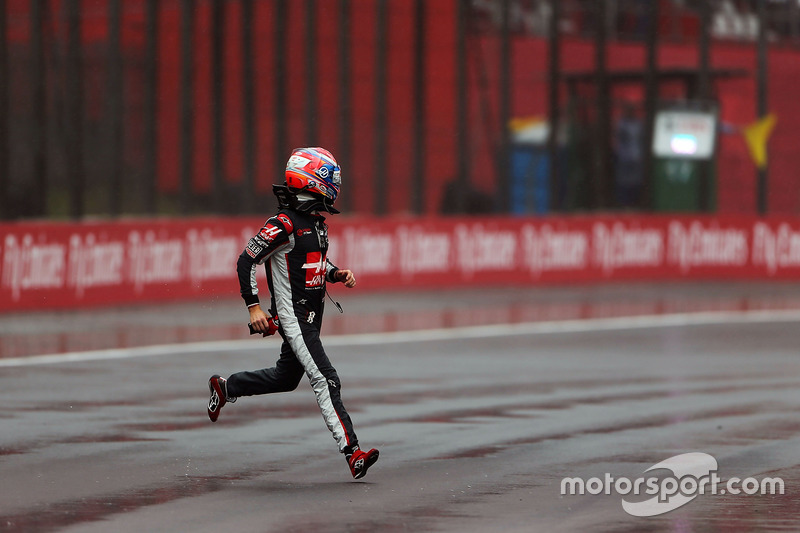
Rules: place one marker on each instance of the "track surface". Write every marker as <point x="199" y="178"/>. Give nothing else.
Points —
<point x="475" y="433"/>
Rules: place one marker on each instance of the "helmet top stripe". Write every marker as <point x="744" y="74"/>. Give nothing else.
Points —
<point x="316" y="153"/>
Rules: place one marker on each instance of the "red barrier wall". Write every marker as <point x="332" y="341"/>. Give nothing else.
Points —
<point x="73" y="265"/>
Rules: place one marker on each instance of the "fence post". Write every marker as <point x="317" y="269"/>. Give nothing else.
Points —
<point x="39" y="123"/>
<point x="646" y="199"/>
<point x="217" y="102"/>
<point x="74" y="98"/>
<point x="463" y="159"/>
<point x="381" y="75"/>
<point x="503" y="178"/>
<point x="704" y="94"/>
<point x="420" y="111"/>
<point x="115" y="106"/>
<point x="311" y="103"/>
<point x="279" y="55"/>
<point x="151" y="107"/>
<point x="187" y="105"/>
<point x="553" y="103"/>
<point x="602" y="141"/>
<point x="762" y="105"/>
<point x="4" y="109"/>
<point x="248" y="108"/>
<point x="345" y="123"/>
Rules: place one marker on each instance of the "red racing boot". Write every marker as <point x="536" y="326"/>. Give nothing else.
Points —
<point x="219" y="396"/>
<point x="359" y="461"/>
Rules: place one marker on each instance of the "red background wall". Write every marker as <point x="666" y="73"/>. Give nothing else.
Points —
<point x="737" y="97"/>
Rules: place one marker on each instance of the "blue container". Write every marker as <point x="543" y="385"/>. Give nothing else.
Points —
<point x="530" y="179"/>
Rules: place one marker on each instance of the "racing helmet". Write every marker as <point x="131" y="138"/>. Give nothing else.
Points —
<point x="314" y="170"/>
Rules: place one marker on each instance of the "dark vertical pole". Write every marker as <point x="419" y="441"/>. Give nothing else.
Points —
<point x="311" y="106"/>
<point x="552" y="98"/>
<point x="650" y="102"/>
<point x="462" y="111"/>
<point x="794" y="21"/>
<point x="115" y="106"/>
<point x="345" y="121"/>
<point x="151" y="106"/>
<point x="704" y="73"/>
<point x="381" y="75"/>
<point x="39" y="123"/>
<point x="217" y="101"/>
<point x="187" y="104"/>
<point x="602" y="140"/>
<point x="4" y="110"/>
<point x="504" y="152"/>
<point x="248" y="108"/>
<point x="418" y="170"/>
<point x="74" y="97"/>
<point x="279" y="51"/>
<point x="762" y="107"/>
<point x="704" y="94"/>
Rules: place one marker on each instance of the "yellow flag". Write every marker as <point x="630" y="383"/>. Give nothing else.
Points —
<point x="756" y="135"/>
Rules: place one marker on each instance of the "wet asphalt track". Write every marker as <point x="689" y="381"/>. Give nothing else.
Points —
<point x="475" y="433"/>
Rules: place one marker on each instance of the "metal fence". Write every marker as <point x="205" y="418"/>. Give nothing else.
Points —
<point x="147" y="107"/>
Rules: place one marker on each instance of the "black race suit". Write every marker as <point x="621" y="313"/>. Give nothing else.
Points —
<point x="293" y="246"/>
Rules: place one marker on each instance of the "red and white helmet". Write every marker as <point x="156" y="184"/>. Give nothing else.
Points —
<point x="314" y="170"/>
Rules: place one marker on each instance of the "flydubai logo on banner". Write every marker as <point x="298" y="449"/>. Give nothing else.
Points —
<point x="776" y="249"/>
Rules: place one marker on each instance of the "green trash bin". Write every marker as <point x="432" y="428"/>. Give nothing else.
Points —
<point x="683" y="185"/>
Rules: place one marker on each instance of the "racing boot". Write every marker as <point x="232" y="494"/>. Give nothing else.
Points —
<point x="359" y="461"/>
<point x="218" y="387"/>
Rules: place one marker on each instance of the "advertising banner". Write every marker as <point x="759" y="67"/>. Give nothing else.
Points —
<point x="49" y="265"/>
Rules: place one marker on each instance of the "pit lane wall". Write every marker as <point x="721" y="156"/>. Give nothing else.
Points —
<point x="47" y="265"/>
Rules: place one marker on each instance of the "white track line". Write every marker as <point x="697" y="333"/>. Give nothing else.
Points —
<point x="470" y="332"/>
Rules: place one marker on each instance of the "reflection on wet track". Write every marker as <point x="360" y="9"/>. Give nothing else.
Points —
<point x="42" y="333"/>
<point x="475" y="434"/>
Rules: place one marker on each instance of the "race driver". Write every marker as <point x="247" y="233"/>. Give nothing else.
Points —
<point x="293" y="246"/>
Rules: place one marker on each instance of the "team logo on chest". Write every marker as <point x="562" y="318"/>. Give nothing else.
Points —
<point x="315" y="267"/>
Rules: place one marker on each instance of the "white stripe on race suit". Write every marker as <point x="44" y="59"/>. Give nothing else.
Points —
<point x="281" y="285"/>
<point x="253" y="282"/>
<point x="287" y="246"/>
<point x="282" y="291"/>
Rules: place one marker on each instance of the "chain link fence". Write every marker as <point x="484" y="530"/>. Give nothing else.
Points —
<point x="180" y="107"/>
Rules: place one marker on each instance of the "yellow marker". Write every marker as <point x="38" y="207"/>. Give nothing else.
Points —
<point x="756" y="135"/>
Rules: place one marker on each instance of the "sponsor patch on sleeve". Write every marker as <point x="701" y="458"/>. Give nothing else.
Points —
<point x="253" y="248"/>
<point x="269" y="232"/>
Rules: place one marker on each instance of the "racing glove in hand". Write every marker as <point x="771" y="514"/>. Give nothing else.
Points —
<point x="272" y="328"/>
